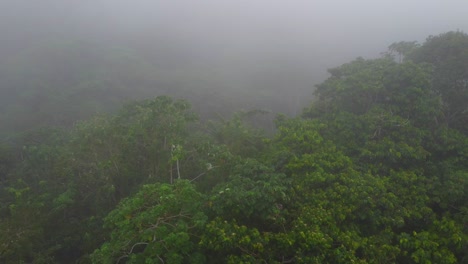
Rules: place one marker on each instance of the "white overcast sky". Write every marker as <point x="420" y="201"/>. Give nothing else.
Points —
<point x="316" y="20"/>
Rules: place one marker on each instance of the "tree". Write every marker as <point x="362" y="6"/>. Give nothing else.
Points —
<point x="448" y="54"/>
<point x="357" y="87"/>
<point x="403" y="49"/>
<point x="159" y="224"/>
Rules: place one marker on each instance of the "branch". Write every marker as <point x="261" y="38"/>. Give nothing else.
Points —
<point x="130" y="252"/>
<point x="203" y="173"/>
<point x="136" y="244"/>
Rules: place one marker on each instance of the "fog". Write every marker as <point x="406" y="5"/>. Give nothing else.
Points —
<point x="243" y="53"/>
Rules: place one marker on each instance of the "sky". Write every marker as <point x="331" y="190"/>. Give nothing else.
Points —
<point x="340" y="28"/>
<point x="288" y="43"/>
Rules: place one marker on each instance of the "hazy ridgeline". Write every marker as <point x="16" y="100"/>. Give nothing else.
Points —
<point x="61" y="61"/>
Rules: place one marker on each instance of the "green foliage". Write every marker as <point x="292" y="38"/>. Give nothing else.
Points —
<point x="135" y="146"/>
<point x="402" y="89"/>
<point x="373" y="172"/>
<point x="384" y="116"/>
<point x="402" y="48"/>
<point x="353" y="210"/>
<point x="237" y="134"/>
<point x="448" y="55"/>
<point x="433" y="246"/>
<point x="21" y="223"/>
<point x="158" y="224"/>
<point x="254" y="195"/>
<point x="228" y="242"/>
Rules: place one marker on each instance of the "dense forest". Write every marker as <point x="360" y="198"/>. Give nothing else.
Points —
<point x="374" y="170"/>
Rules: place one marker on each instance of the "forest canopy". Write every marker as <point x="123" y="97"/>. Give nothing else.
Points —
<point x="375" y="170"/>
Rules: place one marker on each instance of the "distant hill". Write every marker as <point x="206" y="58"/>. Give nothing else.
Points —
<point x="60" y="81"/>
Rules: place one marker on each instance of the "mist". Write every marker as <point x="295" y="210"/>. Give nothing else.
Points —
<point x="221" y="55"/>
<point x="233" y="131"/>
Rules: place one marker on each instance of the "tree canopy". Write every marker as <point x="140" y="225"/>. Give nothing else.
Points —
<point x="375" y="170"/>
